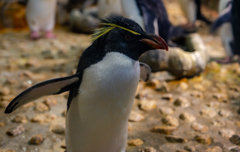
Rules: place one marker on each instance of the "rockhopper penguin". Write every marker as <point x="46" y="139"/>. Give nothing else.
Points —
<point x="40" y="16"/>
<point x="103" y="89"/>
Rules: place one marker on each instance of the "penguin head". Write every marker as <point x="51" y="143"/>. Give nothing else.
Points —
<point x="123" y="35"/>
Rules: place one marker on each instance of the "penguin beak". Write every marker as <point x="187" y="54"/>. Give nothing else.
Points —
<point x="155" y="42"/>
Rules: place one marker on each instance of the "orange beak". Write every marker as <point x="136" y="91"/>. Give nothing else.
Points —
<point x="155" y="42"/>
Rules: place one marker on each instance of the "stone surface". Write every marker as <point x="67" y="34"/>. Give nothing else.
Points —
<point x="235" y="139"/>
<point x="187" y="117"/>
<point x="210" y="113"/>
<point x="50" y="101"/>
<point x="175" y="139"/>
<point x="41" y="107"/>
<point x="5" y="91"/>
<point x="2" y="124"/>
<point x="226" y="133"/>
<point x="182" y="86"/>
<point x="16" y="131"/>
<point x="20" y="118"/>
<point x="199" y="127"/>
<point x="218" y="122"/>
<point x="166" y="110"/>
<point x="38" y="118"/>
<point x="214" y="149"/>
<point x="203" y="139"/>
<point x="58" y="129"/>
<point x="135" y="116"/>
<point x="213" y="104"/>
<point x="164" y="129"/>
<point x="171" y="121"/>
<point x="36" y="140"/>
<point x="167" y="96"/>
<point x="224" y="113"/>
<point x="135" y="142"/>
<point x="190" y="148"/>
<point x="149" y="149"/>
<point x="182" y="102"/>
<point x="196" y="94"/>
<point x="4" y="150"/>
<point x="147" y="105"/>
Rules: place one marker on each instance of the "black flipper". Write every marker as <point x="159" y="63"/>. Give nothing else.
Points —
<point x="49" y="87"/>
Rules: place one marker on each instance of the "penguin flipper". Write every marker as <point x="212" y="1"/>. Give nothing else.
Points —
<point x="145" y="72"/>
<point x="49" y="87"/>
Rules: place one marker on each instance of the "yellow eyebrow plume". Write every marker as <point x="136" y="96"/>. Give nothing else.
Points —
<point x="108" y="27"/>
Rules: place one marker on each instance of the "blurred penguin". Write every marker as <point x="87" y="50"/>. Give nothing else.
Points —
<point x="235" y="21"/>
<point x="41" y="17"/>
<point x="226" y="31"/>
<point x="153" y="17"/>
<point x="109" y="7"/>
<point x="192" y="10"/>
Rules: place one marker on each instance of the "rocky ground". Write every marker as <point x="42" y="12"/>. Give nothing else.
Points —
<point x="197" y="114"/>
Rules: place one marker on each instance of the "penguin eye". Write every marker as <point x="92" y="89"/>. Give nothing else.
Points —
<point x="127" y="37"/>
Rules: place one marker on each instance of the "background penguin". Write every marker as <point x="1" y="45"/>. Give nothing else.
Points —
<point x="226" y="32"/>
<point x="192" y="10"/>
<point x="101" y="94"/>
<point x="154" y="18"/>
<point x="109" y="7"/>
<point x="40" y="16"/>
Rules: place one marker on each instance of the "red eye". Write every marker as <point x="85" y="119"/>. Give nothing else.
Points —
<point x="127" y="37"/>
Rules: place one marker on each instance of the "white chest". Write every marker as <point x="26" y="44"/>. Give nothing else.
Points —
<point x="97" y="118"/>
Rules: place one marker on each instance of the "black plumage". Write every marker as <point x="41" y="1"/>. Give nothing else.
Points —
<point x="235" y="21"/>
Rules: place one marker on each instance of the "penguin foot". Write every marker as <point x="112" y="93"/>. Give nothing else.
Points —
<point x="34" y="35"/>
<point x="49" y="35"/>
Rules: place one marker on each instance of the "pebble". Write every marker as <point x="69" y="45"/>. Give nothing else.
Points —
<point x="180" y="150"/>
<point x="47" y="54"/>
<point x="58" y="129"/>
<point x="147" y="105"/>
<point x="20" y="118"/>
<point x="196" y="94"/>
<point x="187" y="117"/>
<point x="167" y="96"/>
<point x="28" y="105"/>
<point x="235" y="149"/>
<point x="237" y="123"/>
<point x="235" y="139"/>
<point x="226" y="133"/>
<point x="50" y="117"/>
<point x="5" y="91"/>
<point x="210" y="113"/>
<point x="224" y="113"/>
<point x="182" y="86"/>
<point x="213" y="104"/>
<point x="166" y="110"/>
<point x="234" y="88"/>
<point x="135" y="116"/>
<point x="182" y="102"/>
<point x="36" y="140"/>
<point x="199" y="127"/>
<point x="135" y="142"/>
<point x="214" y="149"/>
<point x="38" y="118"/>
<point x="4" y="104"/>
<point x="4" y="150"/>
<point x="2" y="124"/>
<point x="221" y="97"/>
<point x="149" y="149"/>
<point x="50" y="101"/>
<point x="219" y="123"/>
<point x="199" y="87"/>
<point x="163" y="129"/>
<point x="16" y="131"/>
<point x="190" y="148"/>
<point x="41" y="107"/>
<point x="203" y="139"/>
<point x="171" y="121"/>
<point x="155" y="83"/>
<point x="175" y="139"/>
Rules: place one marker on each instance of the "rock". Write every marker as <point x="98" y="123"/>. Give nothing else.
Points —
<point x="210" y="113"/>
<point x="235" y="139"/>
<point x="164" y="129"/>
<point x="28" y="105"/>
<point x="196" y="94"/>
<point x="167" y="96"/>
<point x="64" y="113"/>
<point x="135" y="116"/>
<point x="4" y="150"/>
<point x="135" y="142"/>
<point x="154" y="83"/>
<point x="219" y="123"/>
<point x="213" y="104"/>
<point x="179" y="150"/>
<point x="199" y="127"/>
<point x="47" y="54"/>
<point x="147" y="105"/>
<point x="203" y="139"/>
<point x="36" y="140"/>
<point x="226" y="133"/>
<point x="2" y="124"/>
<point x="129" y="127"/>
<point x="214" y="149"/>
<point x="41" y="107"/>
<point x="221" y="97"/>
<point x="224" y="113"/>
<point x="182" y="86"/>
<point x="175" y="139"/>
<point x="58" y="129"/>
<point x="50" y="101"/>
<point x="237" y="123"/>
<point x="4" y="104"/>
<point x="5" y="91"/>
<point x="182" y="102"/>
<point x="187" y="117"/>
<point x="149" y="149"/>
<point x="199" y="87"/>
<point x="50" y="117"/>
<point x="16" y="131"/>
<point x="166" y="110"/>
<point x="20" y="118"/>
<point x="190" y="148"/>
<point x="171" y="121"/>
<point x="235" y="149"/>
<point x="38" y="118"/>
<point x="165" y="87"/>
<point x="234" y="88"/>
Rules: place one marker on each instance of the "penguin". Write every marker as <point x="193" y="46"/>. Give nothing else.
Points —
<point x="192" y="10"/>
<point x="223" y="22"/>
<point x="153" y="17"/>
<point x="109" y="7"/>
<point x="40" y="16"/>
<point x="103" y="89"/>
